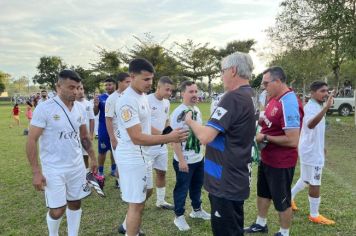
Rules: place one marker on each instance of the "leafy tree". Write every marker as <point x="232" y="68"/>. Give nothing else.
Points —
<point x="109" y="62"/>
<point x="242" y="46"/>
<point x="4" y="81"/>
<point x="48" y="70"/>
<point x="302" y="66"/>
<point x="326" y="23"/>
<point x="157" y="54"/>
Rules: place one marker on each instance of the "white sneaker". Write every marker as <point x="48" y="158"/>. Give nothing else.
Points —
<point x="181" y="223"/>
<point x="201" y="214"/>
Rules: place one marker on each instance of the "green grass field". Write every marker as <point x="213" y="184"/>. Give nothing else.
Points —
<point x="22" y="209"/>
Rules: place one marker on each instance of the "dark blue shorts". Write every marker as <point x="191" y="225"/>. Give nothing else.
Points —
<point x="104" y="144"/>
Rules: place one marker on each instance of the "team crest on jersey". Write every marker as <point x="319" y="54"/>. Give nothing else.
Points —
<point x="56" y="117"/>
<point x="154" y="108"/>
<point x="126" y="113"/>
<point x="87" y="108"/>
<point x="219" y="113"/>
<point x="143" y="107"/>
<point x="274" y="111"/>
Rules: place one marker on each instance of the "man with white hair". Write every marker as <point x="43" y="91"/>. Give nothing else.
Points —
<point x="229" y="136"/>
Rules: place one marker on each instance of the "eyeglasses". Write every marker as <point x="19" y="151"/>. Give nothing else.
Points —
<point x="265" y="83"/>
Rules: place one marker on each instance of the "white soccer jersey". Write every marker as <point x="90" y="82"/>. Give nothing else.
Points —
<point x="159" y="116"/>
<point x="311" y="141"/>
<point x="176" y="122"/>
<point x="89" y="112"/>
<point x="59" y="145"/>
<point x="132" y="109"/>
<point x="110" y="110"/>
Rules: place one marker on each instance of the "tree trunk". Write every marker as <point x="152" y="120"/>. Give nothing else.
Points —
<point x="209" y="86"/>
<point x="304" y="85"/>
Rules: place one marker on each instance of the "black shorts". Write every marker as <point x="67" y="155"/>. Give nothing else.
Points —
<point x="227" y="217"/>
<point x="275" y="183"/>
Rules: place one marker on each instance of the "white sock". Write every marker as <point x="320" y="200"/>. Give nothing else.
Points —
<point x="284" y="232"/>
<point x="261" y="221"/>
<point x="53" y="225"/>
<point x="314" y="204"/>
<point x="161" y="194"/>
<point x="299" y="186"/>
<point x="124" y="223"/>
<point x="73" y="221"/>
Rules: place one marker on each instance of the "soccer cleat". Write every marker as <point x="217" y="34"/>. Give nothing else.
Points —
<point x="294" y="206"/>
<point x="97" y="182"/>
<point x="165" y="205"/>
<point x="201" y="214"/>
<point x="256" y="228"/>
<point x="122" y="230"/>
<point x="278" y="234"/>
<point x="321" y="220"/>
<point x="181" y="224"/>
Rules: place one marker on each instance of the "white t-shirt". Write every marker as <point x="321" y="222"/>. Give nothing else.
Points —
<point x="110" y="110"/>
<point x="132" y="109"/>
<point x="59" y="145"/>
<point x="159" y="117"/>
<point x="176" y="122"/>
<point x="215" y="101"/>
<point x="89" y="112"/>
<point x="312" y="141"/>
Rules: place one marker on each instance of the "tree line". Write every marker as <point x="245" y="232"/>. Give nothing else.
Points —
<point x="311" y="39"/>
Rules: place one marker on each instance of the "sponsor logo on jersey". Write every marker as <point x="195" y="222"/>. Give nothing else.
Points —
<point x="68" y="135"/>
<point x="56" y="117"/>
<point x="154" y="108"/>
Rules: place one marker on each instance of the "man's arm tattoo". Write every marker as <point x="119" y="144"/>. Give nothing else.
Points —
<point x="86" y="143"/>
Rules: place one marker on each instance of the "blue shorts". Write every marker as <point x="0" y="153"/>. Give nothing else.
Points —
<point x="104" y="144"/>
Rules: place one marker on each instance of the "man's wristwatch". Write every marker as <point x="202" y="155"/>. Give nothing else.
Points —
<point x="265" y="139"/>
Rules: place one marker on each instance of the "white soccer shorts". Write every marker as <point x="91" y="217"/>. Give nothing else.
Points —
<point x="160" y="161"/>
<point x="65" y="186"/>
<point x="135" y="179"/>
<point x="311" y="174"/>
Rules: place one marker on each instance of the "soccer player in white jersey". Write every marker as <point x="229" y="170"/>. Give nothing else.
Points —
<point x="159" y="105"/>
<point x="89" y="117"/>
<point x="111" y="119"/>
<point x="59" y="125"/>
<point x="131" y="154"/>
<point x="312" y="151"/>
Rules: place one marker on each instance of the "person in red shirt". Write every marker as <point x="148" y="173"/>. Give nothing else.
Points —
<point x="16" y="114"/>
<point x="281" y="123"/>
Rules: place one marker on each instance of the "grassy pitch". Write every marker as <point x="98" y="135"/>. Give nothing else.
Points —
<point x="22" y="209"/>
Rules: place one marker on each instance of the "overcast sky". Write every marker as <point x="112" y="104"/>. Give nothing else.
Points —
<point x="72" y="29"/>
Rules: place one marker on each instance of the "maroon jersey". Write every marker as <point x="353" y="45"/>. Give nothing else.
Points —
<point x="282" y="113"/>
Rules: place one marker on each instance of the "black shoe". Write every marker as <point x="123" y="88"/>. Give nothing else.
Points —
<point x="256" y="228"/>
<point x="278" y="234"/>
<point x="123" y="231"/>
